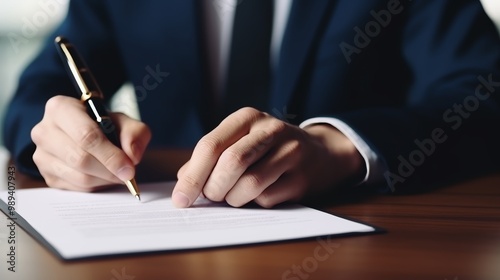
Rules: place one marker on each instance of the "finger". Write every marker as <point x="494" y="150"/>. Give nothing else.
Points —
<point x="134" y="136"/>
<point x="263" y="174"/>
<point x="61" y="147"/>
<point x="207" y="152"/>
<point x="286" y="188"/>
<point x="234" y="161"/>
<point x="71" y="118"/>
<point x="180" y="173"/>
<point x="57" y="174"/>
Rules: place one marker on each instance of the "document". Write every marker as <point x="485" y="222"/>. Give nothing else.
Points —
<point x="80" y="225"/>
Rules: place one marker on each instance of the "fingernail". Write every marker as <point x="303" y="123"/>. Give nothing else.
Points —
<point x="180" y="200"/>
<point x="125" y="173"/>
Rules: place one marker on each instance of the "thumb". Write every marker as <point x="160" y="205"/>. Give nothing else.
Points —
<point x="134" y="136"/>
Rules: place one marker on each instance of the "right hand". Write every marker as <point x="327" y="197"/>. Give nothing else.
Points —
<point x="72" y="152"/>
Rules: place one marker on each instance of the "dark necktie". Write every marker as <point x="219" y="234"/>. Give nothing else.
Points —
<point x="248" y="76"/>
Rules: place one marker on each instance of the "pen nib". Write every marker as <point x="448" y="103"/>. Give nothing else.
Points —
<point x="132" y="187"/>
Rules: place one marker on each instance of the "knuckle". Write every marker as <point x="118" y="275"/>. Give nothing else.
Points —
<point x="209" y="145"/>
<point x="212" y="194"/>
<point x="234" y="203"/>
<point x="37" y="157"/>
<point x="89" y="137"/>
<point x="248" y="113"/>
<point x="217" y="185"/>
<point x="265" y="139"/>
<point x="253" y="182"/>
<point x="265" y="200"/>
<point x="54" y="103"/>
<point x="277" y="127"/>
<point x="36" y="134"/>
<point x="237" y="160"/>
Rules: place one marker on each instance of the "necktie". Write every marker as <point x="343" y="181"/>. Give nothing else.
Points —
<point x="248" y="76"/>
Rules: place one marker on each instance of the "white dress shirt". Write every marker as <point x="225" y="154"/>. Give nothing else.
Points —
<point x="219" y="17"/>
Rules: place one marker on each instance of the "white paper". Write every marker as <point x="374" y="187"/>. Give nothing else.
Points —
<point x="113" y="222"/>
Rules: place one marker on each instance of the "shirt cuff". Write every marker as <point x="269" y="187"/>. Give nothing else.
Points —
<point x="374" y="166"/>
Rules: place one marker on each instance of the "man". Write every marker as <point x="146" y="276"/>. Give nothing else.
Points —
<point x="389" y="94"/>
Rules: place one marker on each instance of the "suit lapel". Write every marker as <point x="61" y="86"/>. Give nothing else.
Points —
<point x="303" y="25"/>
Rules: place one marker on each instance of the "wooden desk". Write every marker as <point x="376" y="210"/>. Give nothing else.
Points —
<point x="451" y="233"/>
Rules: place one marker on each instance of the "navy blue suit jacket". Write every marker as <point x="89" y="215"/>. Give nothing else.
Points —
<point x="416" y="79"/>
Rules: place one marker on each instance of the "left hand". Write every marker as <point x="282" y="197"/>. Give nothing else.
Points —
<point x="252" y="156"/>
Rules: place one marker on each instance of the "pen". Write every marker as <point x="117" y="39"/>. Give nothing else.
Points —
<point x="91" y="95"/>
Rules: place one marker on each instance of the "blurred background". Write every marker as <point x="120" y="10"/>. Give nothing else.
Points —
<point x="25" y="24"/>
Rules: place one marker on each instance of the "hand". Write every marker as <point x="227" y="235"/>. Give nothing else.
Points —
<point x="252" y="156"/>
<point x="72" y="152"/>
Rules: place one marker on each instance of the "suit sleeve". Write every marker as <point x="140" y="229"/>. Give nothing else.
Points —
<point x="87" y="26"/>
<point x="448" y="127"/>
